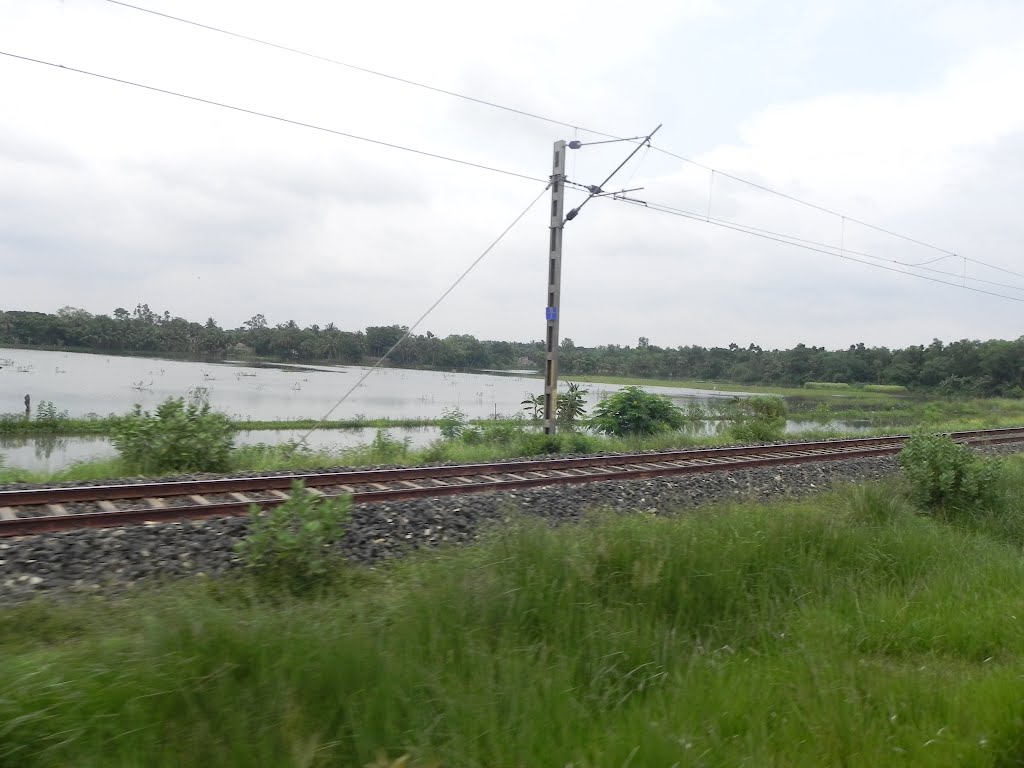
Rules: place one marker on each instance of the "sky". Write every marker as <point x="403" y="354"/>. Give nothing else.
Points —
<point x="897" y="125"/>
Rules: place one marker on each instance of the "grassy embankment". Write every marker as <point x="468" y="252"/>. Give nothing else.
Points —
<point x="840" y="630"/>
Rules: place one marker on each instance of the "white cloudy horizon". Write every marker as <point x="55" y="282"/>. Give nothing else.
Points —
<point x="902" y="115"/>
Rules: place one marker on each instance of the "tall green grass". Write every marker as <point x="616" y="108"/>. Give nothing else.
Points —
<point x="843" y="630"/>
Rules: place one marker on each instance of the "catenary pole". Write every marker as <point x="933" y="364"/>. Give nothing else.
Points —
<point x="554" y="287"/>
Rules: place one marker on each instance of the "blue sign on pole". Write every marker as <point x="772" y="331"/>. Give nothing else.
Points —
<point x="551" y="313"/>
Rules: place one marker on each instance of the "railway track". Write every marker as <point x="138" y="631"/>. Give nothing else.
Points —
<point x="41" y="510"/>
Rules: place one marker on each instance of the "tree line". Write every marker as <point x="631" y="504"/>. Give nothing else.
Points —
<point x="985" y="368"/>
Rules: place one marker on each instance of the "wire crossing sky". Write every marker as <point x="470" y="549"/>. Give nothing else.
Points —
<point x="110" y="196"/>
<point x="553" y="121"/>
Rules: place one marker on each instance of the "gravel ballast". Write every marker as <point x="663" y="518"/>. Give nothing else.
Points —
<point x="108" y="560"/>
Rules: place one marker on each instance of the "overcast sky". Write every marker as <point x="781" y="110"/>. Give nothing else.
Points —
<point x="904" y="114"/>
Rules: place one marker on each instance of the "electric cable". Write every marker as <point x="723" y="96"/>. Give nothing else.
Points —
<point x="543" y="118"/>
<point x="423" y="317"/>
<point x="794" y="242"/>
<point x="277" y="118"/>
<point x="599" y="189"/>
<point x="758" y="230"/>
<point x="794" y="199"/>
<point x="358" y="68"/>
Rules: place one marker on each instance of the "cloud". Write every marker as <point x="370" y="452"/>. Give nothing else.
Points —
<point x="111" y="196"/>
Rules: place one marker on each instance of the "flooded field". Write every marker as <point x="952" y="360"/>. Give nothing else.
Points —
<point x="82" y="384"/>
<point x="85" y="384"/>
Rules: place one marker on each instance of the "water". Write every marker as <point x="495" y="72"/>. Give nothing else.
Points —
<point x="84" y="384"/>
<point x="51" y="454"/>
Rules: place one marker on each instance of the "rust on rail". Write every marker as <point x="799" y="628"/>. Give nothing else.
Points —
<point x="501" y="476"/>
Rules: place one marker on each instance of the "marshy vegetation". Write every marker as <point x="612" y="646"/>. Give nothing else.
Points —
<point x="629" y="420"/>
<point x="829" y="631"/>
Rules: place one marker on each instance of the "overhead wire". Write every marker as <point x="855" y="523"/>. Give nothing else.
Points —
<point x="993" y="266"/>
<point x="358" y="68"/>
<point x="758" y="230"/>
<point x="579" y="186"/>
<point x="278" y="118"/>
<point x="640" y="141"/>
<point x="552" y="121"/>
<point x="799" y="244"/>
<point x="795" y="199"/>
<point x="412" y="328"/>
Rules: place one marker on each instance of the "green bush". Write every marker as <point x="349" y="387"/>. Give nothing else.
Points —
<point x="177" y="438"/>
<point x="826" y="385"/>
<point x="293" y="547"/>
<point x="884" y="388"/>
<point x="452" y="423"/>
<point x="47" y="411"/>
<point x="631" y="411"/>
<point x="944" y="474"/>
<point x="501" y="432"/>
<point x="758" y="420"/>
<point x="569" y="405"/>
<point x="386" y="449"/>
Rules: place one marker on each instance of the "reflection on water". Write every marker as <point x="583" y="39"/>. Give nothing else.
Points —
<point x="51" y="453"/>
<point x="42" y="446"/>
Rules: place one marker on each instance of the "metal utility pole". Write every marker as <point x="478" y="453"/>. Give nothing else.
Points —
<point x="555" y="259"/>
<point x="554" y="287"/>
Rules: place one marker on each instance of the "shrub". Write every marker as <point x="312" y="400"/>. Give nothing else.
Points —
<point x="534" y="405"/>
<point x="569" y="404"/>
<point x="884" y="388"/>
<point x="46" y="411"/>
<point x="631" y="411"/>
<point x="501" y="432"/>
<point x="293" y="547"/>
<point x="758" y="420"/>
<point x="387" y="450"/>
<point x="826" y="385"/>
<point x="177" y="438"/>
<point x="452" y="423"/>
<point x="943" y="474"/>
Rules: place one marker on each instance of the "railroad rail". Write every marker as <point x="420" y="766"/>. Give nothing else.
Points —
<point x="42" y="510"/>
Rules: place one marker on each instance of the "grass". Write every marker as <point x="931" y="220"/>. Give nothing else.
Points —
<point x="840" y="630"/>
<point x="388" y="450"/>
<point x="21" y="427"/>
<point x="930" y="413"/>
<point x="857" y="393"/>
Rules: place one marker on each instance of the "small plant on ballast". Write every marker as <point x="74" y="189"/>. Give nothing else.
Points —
<point x="293" y="547"/>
